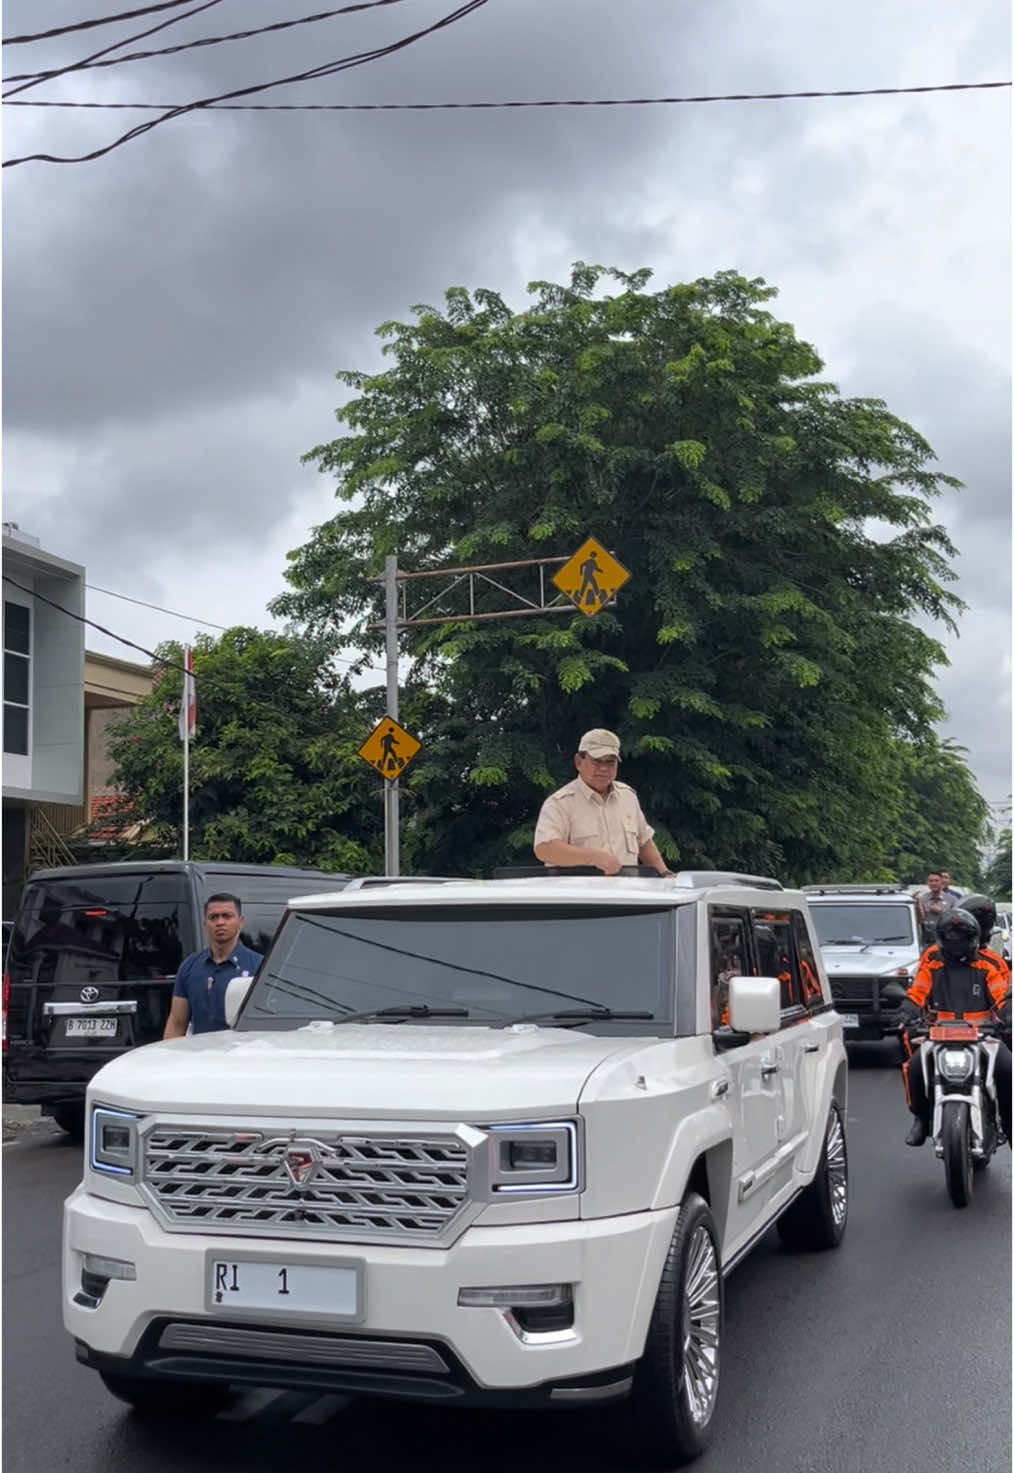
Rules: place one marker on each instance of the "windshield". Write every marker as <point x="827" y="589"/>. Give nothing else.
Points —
<point x="869" y="925"/>
<point x="101" y="928"/>
<point x="496" y="962"/>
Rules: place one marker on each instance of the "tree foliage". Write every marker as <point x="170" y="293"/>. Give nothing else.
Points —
<point x="996" y="880"/>
<point x="274" y="775"/>
<point x="763" y="664"/>
<point x="943" y="817"/>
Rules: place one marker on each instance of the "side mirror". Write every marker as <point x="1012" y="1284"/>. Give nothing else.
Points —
<point x="235" y="997"/>
<point x="755" y="1004"/>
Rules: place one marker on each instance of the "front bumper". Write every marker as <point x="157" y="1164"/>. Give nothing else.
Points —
<point x="415" y="1340"/>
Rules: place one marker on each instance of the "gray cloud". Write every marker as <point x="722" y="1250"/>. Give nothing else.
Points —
<point x="175" y="312"/>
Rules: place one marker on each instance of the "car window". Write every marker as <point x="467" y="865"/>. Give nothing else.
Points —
<point x="102" y="928"/>
<point x="264" y="897"/>
<point x="729" y="957"/>
<point x="776" y="954"/>
<point x="809" y="977"/>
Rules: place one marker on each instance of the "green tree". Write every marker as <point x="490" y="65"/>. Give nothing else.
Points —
<point x="763" y="660"/>
<point x="942" y="819"/>
<point x="996" y="880"/>
<point x="274" y="775"/>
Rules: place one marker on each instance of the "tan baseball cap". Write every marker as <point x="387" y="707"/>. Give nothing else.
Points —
<point x="600" y="743"/>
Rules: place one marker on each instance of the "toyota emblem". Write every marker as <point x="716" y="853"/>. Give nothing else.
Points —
<point x="89" y="994"/>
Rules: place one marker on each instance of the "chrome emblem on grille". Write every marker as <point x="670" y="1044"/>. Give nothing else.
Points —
<point x="301" y="1162"/>
<point x="89" y="994"/>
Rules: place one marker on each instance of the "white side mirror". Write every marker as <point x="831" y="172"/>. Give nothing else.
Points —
<point x="235" y="997"/>
<point x="755" y="1004"/>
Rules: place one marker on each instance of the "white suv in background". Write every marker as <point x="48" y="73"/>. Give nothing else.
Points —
<point x="869" y="938"/>
<point x="484" y="1141"/>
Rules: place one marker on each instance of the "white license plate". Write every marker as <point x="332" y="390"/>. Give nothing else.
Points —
<point x="287" y="1288"/>
<point x="91" y="1027"/>
<point x="850" y="1020"/>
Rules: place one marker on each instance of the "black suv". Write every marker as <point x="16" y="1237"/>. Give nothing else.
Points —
<point x="93" y="956"/>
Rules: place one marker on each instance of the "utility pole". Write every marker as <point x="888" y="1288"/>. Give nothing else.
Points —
<point x="391" y="794"/>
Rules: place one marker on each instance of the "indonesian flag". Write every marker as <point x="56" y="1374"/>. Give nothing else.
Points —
<point x="188" y="707"/>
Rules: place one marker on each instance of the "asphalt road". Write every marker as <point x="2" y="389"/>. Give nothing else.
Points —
<point x="893" y="1352"/>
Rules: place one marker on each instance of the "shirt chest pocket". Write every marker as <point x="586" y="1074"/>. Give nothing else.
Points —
<point x="631" y="845"/>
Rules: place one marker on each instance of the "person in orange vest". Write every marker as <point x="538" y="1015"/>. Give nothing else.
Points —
<point x="954" y="980"/>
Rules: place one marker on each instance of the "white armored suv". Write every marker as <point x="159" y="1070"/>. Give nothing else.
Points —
<point x="480" y="1141"/>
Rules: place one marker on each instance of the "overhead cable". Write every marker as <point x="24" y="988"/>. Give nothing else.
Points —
<point x="71" y="614"/>
<point x="280" y="25"/>
<point x="393" y="107"/>
<point x="86" y="25"/>
<point x="326" y="70"/>
<point x="35" y="78"/>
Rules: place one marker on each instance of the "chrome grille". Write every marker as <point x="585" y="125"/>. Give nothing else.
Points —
<point x="285" y="1345"/>
<point x="236" y="1181"/>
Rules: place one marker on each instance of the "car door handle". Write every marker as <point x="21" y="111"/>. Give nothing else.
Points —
<point x="811" y="1048"/>
<point x="768" y="1069"/>
<point x="719" y="1088"/>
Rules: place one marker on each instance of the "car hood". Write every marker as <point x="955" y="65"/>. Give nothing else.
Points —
<point x="849" y="961"/>
<point x="400" y="1072"/>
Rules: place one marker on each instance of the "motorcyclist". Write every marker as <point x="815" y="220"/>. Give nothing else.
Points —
<point x="984" y="911"/>
<point x="955" y="980"/>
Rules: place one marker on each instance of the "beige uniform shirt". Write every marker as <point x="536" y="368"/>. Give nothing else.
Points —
<point x="578" y="815"/>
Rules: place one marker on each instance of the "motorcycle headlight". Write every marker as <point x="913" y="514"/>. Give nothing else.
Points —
<point x="956" y="1064"/>
<point x="113" y="1141"/>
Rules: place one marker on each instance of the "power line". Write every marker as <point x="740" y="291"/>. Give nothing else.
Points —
<point x="190" y="618"/>
<point x="71" y="614"/>
<point x="170" y="664"/>
<point x="372" y="107"/>
<point x="85" y="25"/>
<point x="89" y="63"/>
<point x="328" y="69"/>
<point x="75" y="66"/>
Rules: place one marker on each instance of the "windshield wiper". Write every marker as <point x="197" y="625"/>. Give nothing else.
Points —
<point x="572" y="1017"/>
<point x="400" y="1011"/>
<point x="882" y="940"/>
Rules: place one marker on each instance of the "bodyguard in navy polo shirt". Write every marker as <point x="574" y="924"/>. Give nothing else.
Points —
<point x="201" y="982"/>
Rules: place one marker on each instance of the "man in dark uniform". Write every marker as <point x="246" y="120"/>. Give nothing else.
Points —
<point x="203" y="977"/>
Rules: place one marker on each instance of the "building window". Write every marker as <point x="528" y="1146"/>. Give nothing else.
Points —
<point x="17" y="677"/>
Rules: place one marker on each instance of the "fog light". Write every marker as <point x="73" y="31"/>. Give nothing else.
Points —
<point x="107" y="1268"/>
<point x="518" y="1296"/>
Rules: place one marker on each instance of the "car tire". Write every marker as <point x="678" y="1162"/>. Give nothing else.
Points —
<point x="71" y="1118"/>
<point x="817" y="1218"/>
<point x="155" y="1399"/>
<point x="672" y="1406"/>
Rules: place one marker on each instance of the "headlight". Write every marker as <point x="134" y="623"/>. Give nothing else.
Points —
<point x="113" y="1141"/>
<point x="533" y="1159"/>
<point x="956" y="1064"/>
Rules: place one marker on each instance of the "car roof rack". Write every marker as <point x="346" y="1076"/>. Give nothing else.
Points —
<point x="871" y="889"/>
<point x="367" y="882"/>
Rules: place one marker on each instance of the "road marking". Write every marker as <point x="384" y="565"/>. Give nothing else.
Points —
<point x="322" y="1410"/>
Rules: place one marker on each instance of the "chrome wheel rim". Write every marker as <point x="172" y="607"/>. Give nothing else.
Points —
<point x="837" y="1169"/>
<point x="701" y="1326"/>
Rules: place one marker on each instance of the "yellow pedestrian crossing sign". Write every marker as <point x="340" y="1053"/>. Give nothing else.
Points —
<point x="591" y="577"/>
<point x="389" y="748"/>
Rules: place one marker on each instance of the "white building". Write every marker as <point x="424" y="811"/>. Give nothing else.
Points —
<point x="43" y="692"/>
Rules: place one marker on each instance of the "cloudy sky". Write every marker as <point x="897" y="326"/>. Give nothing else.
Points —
<point x="175" y="312"/>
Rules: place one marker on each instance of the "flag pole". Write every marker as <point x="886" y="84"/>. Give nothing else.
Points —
<point x="186" y="791"/>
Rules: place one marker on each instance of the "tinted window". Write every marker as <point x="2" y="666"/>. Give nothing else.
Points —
<point x="772" y="934"/>
<point x="730" y="957"/>
<point x="839" y="925"/>
<point x="498" y="964"/>
<point x="105" y="928"/>
<point x="264" y="897"/>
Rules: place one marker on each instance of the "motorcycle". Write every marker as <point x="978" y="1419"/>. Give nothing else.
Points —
<point x="958" y="1069"/>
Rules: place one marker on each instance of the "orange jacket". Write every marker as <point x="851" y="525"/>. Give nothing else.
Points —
<point x="995" y="975"/>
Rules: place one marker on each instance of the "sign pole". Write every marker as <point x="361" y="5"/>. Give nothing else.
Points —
<point x="186" y="790"/>
<point x="391" y="856"/>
